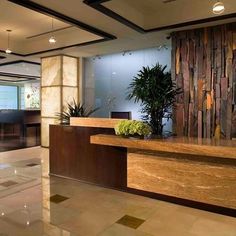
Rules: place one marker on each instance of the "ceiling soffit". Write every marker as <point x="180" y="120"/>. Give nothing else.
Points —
<point x="140" y="21"/>
<point x="85" y="33"/>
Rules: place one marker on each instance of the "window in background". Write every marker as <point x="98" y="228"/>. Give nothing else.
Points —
<point x="8" y="97"/>
<point x="22" y="98"/>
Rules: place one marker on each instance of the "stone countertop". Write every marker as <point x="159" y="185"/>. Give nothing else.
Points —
<point x="185" y="145"/>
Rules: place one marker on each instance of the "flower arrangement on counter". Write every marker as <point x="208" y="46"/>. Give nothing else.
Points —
<point x="132" y="128"/>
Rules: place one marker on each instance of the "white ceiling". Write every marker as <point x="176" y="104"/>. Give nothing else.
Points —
<point x="155" y="13"/>
<point x="26" y="23"/>
<point x="22" y="68"/>
<point x="148" y="14"/>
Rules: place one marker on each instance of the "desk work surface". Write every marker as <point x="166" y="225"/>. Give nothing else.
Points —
<point x="192" y="146"/>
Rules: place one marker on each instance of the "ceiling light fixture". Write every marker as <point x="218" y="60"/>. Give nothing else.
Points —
<point x="52" y="39"/>
<point x="8" y="50"/>
<point x="218" y="8"/>
<point x="127" y="52"/>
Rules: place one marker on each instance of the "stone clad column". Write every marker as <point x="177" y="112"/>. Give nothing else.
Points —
<point x="59" y="86"/>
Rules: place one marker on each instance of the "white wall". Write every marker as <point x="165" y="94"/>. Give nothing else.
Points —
<point x="107" y="79"/>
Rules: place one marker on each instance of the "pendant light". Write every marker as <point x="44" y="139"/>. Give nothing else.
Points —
<point x="218" y="8"/>
<point x="52" y="39"/>
<point x="8" y="50"/>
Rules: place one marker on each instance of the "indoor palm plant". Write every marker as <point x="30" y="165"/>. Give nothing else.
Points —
<point x="74" y="110"/>
<point x="154" y="88"/>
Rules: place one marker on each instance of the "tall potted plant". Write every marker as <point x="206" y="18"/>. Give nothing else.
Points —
<point x="154" y="88"/>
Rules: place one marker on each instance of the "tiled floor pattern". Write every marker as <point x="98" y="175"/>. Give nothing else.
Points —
<point x="130" y="221"/>
<point x="61" y="207"/>
<point x="58" y="198"/>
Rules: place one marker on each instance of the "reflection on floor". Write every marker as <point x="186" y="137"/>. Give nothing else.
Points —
<point x="32" y="203"/>
<point x="13" y="143"/>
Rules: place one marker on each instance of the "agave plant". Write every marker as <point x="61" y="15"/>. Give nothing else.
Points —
<point x="154" y="88"/>
<point x="74" y="110"/>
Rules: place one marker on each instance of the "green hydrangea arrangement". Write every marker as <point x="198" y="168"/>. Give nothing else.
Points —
<point x="132" y="128"/>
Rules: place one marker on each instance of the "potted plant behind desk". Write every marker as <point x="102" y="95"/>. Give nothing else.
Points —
<point x="74" y="110"/>
<point x="156" y="91"/>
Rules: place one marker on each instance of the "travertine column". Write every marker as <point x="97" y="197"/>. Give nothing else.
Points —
<point x="59" y="86"/>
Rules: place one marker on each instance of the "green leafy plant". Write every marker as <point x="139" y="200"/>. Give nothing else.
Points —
<point x="132" y="128"/>
<point x="74" y="110"/>
<point x="154" y="88"/>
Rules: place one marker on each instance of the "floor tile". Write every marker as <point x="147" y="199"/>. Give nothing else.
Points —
<point x="130" y="221"/>
<point x="208" y="227"/>
<point x="53" y="206"/>
<point x="92" y="221"/>
<point x="32" y="164"/>
<point x="121" y="230"/>
<point x="8" y="183"/>
<point x="159" y="224"/>
<point x="58" y="198"/>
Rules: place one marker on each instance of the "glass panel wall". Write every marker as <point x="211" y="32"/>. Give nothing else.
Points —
<point x="108" y="77"/>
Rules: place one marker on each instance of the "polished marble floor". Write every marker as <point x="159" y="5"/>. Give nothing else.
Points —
<point x="32" y="203"/>
<point x="14" y="143"/>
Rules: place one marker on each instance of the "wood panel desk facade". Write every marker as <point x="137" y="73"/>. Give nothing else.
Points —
<point x="188" y="171"/>
<point x="73" y="156"/>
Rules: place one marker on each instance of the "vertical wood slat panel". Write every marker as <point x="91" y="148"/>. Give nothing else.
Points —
<point x="205" y="69"/>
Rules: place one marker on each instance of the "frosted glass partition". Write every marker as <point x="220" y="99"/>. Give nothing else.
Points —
<point x="107" y="78"/>
<point x="32" y="95"/>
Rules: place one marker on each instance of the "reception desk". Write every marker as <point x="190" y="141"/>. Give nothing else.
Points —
<point x="73" y="156"/>
<point x="194" y="172"/>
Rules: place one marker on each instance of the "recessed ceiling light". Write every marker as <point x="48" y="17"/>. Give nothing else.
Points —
<point x="218" y="8"/>
<point x="52" y="40"/>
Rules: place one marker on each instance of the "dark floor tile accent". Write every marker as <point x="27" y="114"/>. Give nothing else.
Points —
<point x="130" y="221"/>
<point x="32" y="164"/>
<point x="58" y="198"/>
<point x="8" y="183"/>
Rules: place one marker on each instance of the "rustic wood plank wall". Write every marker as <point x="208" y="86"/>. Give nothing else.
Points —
<point x="204" y="67"/>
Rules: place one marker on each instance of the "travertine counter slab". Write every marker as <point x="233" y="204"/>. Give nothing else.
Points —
<point x="193" y="146"/>
<point x="187" y="178"/>
<point x="94" y="122"/>
<point x="199" y="170"/>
